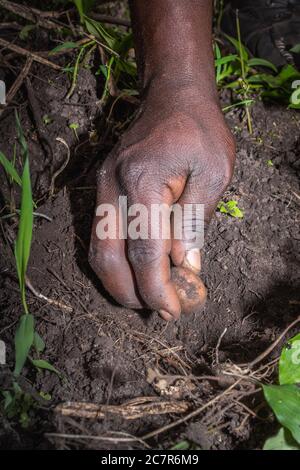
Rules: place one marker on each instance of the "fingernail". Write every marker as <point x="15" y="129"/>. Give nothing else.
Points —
<point x="192" y="260"/>
<point x="166" y="315"/>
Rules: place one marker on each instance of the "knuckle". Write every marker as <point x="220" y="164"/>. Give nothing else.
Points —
<point x="142" y="253"/>
<point x="127" y="173"/>
<point x="101" y="260"/>
<point x="220" y="178"/>
<point x="226" y="173"/>
<point x="225" y="161"/>
<point x="137" y="178"/>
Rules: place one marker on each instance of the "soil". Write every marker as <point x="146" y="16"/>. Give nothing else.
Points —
<point x="106" y="352"/>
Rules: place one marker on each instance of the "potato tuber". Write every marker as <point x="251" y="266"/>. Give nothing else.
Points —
<point x="190" y="289"/>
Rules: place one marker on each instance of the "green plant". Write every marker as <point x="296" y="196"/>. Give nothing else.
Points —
<point x="230" y="208"/>
<point x="74" y="126"/>
<point x="185" y="445"/>
<point x="26" y="30"/>
<point x="26" y="337"/>
<point x="254" y="78"/>
<point x="117" y="67"/>
<point x="83" y="6"/>
<point x="284" y="399"/>
<point x="47" y="119"/>
<point x="19" y="403"/>
<point x="10" y="169"/>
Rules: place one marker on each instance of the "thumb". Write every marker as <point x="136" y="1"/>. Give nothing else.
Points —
<point x="188" y="229"/>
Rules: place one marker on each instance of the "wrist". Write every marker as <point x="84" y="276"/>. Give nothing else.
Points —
<point x="173" y="41"/>
<point x="182" y="91"/>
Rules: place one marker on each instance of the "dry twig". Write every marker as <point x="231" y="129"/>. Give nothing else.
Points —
<point x="31" y="14"/>
<point x="272" y="346"/>
<point x="191" y="415"/>
<point x="40" y="296"/>
<point x="24" y="52"/>
<point x="135" y="409"/>
<point x="18" y="82"/>
<point x="62" y="166"/>
<point x="110" y="19"/>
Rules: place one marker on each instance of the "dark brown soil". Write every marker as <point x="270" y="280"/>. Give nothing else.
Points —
<point x="250" y="267"/>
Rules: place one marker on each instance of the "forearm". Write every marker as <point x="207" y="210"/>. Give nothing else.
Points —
<point x="173" y="41"/>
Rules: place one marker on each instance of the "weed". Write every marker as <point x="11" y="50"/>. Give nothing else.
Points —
<point x="237" y="71"/>
<point x="74" y="126"/>
<point x="230" y="208"/>
<point x="10" y="169"/>
<point x="117" y="68"/>
<point x="284" y="399"/>
<point x="83" y="6"/>
<point x="26" y="338"/>
<point x="185" y="445"/>
<point x="47" y="119"/>
<point x="255" y="78"/>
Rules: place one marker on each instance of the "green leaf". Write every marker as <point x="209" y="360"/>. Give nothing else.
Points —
<point x="282" y="441"/>
<point x="23" y="242"/>
<point x="289" y="363"/>
<point x="68" y="69"/>
<point x="235" y="105"/>
<point x="296" y="49"/>
<point x="23" y="341"/>
<point x="218" y="65"/>
<point x="46" y="396"/>
<point x="239" y="47"/>
<point x="295" y="99"/>
<point x="83" y="6"/>
<point x="96" y="29"/>
<point x="103" y="70"/>
<point x="65" y="45"/>
<point x="230" y="208"/>
<point x="127" y="67"/>
<point x="41" y="364"/>
<point x="183" y="445"/>
<point x="47" y="119"/>
<point x="10" y="169"/>
<point x="285" y="403"/>
<point x="38" y="342"/>
<point x="288" y="72"/>
<point x="21" y="138"/>
<point x="24" y="33"/>
<point x="226" y="59"/>
<point x="8" y="399"/>
<point x="294" y="106"/>
<point x="24" y="419"/>
<point x="270" y="80"/>
<point x="125" y="44"/>
<point x="256" y="62"/>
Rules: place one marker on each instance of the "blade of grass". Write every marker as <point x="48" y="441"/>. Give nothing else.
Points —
<point x="23" y="341"/>
<point x="24" y="237"/>
<point x="10" y="169"/>
<point x="21" y="138"/>
<point x="42" y="364"/>
<point x="83" y="6"/>
<point x="76" y="67"/>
